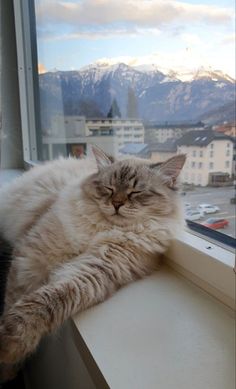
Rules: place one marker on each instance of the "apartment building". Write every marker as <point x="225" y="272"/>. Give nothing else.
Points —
<point x="67" y="126"/>
<point x="209" y="157"/>
<point x="69" y="135"/>
<point x="126" y="130"/>
<point x="159" y="133"/>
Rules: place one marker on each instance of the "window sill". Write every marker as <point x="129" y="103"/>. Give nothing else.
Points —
<point x="161" y="331"/>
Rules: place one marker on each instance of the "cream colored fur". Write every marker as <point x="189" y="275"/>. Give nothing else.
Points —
<point x="70" y="250"/>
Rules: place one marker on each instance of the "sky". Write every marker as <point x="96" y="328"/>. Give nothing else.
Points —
<point x="173" y="35"/>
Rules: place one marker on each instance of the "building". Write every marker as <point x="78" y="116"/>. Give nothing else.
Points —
<point x="69" y="126"/>
<point x="209" y="158"/>
<point x="160" y="152"/>
<point x="159" y="133"/>
<point x="70" y="135"/>
<point x="126" y="130"/>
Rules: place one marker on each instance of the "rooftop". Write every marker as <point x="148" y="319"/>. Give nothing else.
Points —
<point x="201" y="138"/>
<point x="175" y="125"/>
<point x="135" y="149"/>
<point x="168" y="146"/>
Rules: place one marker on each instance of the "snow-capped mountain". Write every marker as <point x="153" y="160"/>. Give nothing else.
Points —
<point x="159" y="96"/>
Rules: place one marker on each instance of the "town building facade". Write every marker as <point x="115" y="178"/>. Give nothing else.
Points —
<point x="209" y="158"/>
<point x="159" y="133"/>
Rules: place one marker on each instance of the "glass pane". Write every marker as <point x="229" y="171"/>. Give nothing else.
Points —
<point x="141" y="79"/>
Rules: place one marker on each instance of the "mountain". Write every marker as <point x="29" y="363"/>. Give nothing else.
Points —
<point x="160" y="97"/>
<point x="225" y="113"/>
<point x="188" y="75"/>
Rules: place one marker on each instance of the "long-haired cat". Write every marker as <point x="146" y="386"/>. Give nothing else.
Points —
<point x="80" y="230"/>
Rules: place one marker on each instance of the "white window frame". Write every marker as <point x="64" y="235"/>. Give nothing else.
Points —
<point x="210" y="268"/>
<point x="27" y="87"/>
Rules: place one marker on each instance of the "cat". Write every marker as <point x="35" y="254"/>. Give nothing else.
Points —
<point x="80" y="230"/>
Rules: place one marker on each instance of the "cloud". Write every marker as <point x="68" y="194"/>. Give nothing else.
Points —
<point x="125" y="16"/>
<point x="191" y="39"/>
<point x="98" y="34"/>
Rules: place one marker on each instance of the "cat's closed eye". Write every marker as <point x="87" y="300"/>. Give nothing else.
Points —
<point x="134" y="193"/>
<point x="110" y="190"/>
<point x="108" y="187"/>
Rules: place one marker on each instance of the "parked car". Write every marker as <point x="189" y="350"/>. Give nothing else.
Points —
<point x="208" y="208"/>
<point x="215" y="223"/>
<point x="193" y="215"/>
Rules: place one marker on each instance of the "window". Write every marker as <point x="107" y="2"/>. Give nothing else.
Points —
<point x="193" y="164"/>
<point x="200" y="153"/>
<point x="194" y="153"/>
<point x="227" y="164"/>
<point x="227" y="153"/>
<point x="212" y="145"/>
<point x="211" y="154"/>
<point x="200" y="165"/>
<point x="211" y="165"/>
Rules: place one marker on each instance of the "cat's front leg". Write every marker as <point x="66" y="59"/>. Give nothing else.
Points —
<point x="80" y="284"/>
<point x="77" y="286"/>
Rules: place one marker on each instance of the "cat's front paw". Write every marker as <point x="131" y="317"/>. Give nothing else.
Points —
<point x="18" y="337"/>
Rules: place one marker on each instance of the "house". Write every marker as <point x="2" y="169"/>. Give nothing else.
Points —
<point x="209" y="157"/>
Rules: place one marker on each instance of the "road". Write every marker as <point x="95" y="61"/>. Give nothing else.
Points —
<point x="215" y="196"/>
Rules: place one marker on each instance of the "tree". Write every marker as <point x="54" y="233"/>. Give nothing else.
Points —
<point x="132" y="106"/>
<point x="114" y="111"/>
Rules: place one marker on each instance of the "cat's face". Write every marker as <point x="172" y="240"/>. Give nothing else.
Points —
<point x="131" y="190"/>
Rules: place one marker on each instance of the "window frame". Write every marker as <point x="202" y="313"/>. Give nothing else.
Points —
<point x="25" y="27"/>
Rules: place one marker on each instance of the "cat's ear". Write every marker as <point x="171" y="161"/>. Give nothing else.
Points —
<point x="170" y="169"/>
<point x="102" y="159"/>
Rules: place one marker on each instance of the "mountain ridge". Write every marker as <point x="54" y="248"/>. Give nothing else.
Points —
<point x="159" y="96"/>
